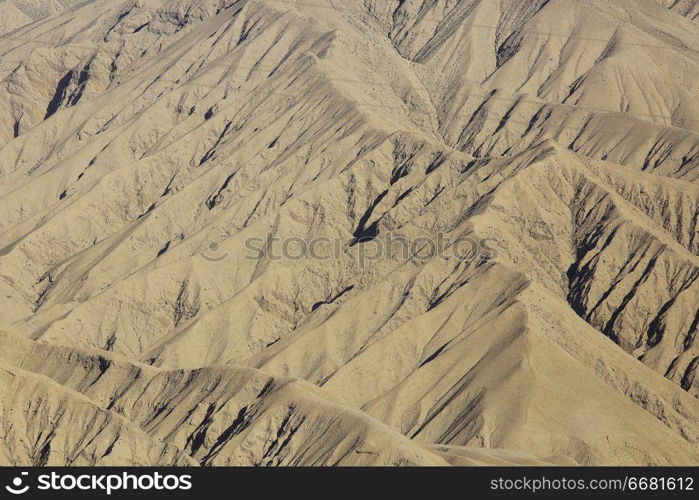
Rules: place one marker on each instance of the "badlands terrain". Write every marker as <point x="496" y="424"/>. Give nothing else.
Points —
<point x="156" y="157"/>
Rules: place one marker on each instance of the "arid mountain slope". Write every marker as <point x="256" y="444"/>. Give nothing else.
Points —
<point x="689" y="8"/>
<point x="15" y="14"/>
<point x="156" y="157"/>
<point x="82" y="408"/>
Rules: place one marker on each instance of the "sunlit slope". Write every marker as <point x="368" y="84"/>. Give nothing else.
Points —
<point x="144" y="145"/>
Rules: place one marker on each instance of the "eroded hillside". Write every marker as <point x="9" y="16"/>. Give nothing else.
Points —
<point x="145" y="144"/>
